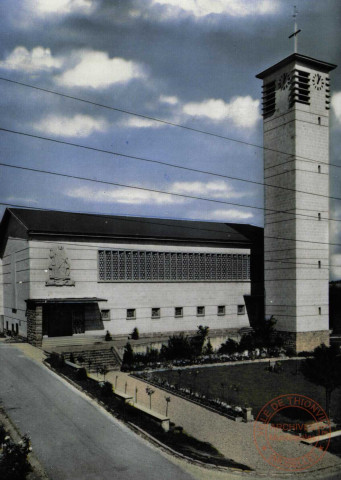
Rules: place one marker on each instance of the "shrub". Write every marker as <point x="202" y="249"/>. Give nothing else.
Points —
<point x="108" y="336"/>
<point x="128" y="356"/>
<point x="106" y="389"/>
<point x="179" y="347"/>
<point x="81" y="374"/>
<point x="13" y="462"/>
<point x="229" y="347"/>
<point x="290" y="352"/>
<point x="208" y="350"/>
<point x="135" y="335"/>
<point x="56" y="360"/>
<point x="197" y="342"/>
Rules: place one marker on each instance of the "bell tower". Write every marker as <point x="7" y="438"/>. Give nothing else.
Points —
<point x="296" y="102"/>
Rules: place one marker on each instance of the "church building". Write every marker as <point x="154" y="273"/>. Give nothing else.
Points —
<point x="78" y="274"/>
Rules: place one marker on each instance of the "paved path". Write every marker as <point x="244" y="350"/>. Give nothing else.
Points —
<point x="72" y="437"/>
<point x="232" y="439"/>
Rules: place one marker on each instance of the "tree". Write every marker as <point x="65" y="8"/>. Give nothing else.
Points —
<point x="324" y="369"/>
<point x="197" y="342"/>
<point x="178" y="348"/>
<point x="128" y="355"/>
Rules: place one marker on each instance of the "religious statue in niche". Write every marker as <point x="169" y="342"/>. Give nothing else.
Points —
<point x="59" y="268"/>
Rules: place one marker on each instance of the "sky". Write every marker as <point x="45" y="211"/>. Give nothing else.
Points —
<point x="187" y="62"/>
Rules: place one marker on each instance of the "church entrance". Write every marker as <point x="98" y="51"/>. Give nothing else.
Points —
<point x="61" y="320"/>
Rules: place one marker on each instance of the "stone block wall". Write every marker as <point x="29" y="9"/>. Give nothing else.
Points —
<point x="305" y="341"/>
<point x="35" y="325"/>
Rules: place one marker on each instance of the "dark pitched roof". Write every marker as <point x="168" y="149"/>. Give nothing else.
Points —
<point x="303" y="59"/>
<point x="29" y="223"/>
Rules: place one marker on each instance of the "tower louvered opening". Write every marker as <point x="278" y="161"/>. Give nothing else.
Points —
<point x="269" y="99"/>
<point x="300" y="88"/>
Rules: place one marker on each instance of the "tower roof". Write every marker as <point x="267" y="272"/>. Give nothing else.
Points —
<point x="302" y="59"/>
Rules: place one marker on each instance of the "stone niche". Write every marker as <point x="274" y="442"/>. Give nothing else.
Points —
<point x="59" y="268"/>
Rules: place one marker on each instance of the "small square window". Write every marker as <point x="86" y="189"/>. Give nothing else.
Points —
<point x="155" y="313"/>
<point x="221" y="309"/>
<point x="241" y="309"/>
<point x="200" y="311"/>
<point x="105" y="314"/>
<point x="131" y="313"/>
<point x="178" y="312"/>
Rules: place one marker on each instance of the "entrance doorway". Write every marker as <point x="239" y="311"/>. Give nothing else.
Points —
<point x="61" y="320"/>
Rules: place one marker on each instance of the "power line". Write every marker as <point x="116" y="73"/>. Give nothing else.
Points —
<point x="165" y="122"/>
<point x="109" y="152"/>
<point x="143" y="220"/>
<point x="192" y="197"/>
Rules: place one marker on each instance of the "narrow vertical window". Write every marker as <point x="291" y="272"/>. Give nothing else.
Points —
<point x="319" y="169"/>
<point x="319" y="310"/>
<point x="319" y="216"/>
<point x="319" y="120"/>
<point x="319" y="263"/>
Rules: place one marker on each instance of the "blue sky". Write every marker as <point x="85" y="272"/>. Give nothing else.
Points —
<point x="191" y="62"/>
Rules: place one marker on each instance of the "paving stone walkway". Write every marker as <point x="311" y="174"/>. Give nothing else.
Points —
<point x="234" y="440"/>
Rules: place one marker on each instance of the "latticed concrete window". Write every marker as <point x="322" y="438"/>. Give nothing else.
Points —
<point x="221" y="309"/>
<point x="201" y="311"/>
<point x="155" y="312"/>
<point x="145" y="266"/>
<point x="178" y="312"/>
<point x="131" y="314"/>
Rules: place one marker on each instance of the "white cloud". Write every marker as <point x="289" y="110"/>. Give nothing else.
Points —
<point x="234" y="8"/>
<point x="77" y="126"/>
<point x="123" y="195"/>
<point x="171" y="100"/>
<point x="17" y="200"/>
<point x="336" y="105"/>
<point x="242" y="111"/>
<point x="38" y="59"/>
<point x="135" y="196"/>
<point x="229" y="214"/>
<point x="217" y="189"/>
<point x="95" y="69"/>
<point x="60" y="7"/>
<point x="137" y="122"/>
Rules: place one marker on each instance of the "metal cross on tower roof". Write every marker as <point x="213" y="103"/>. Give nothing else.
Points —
<point x="296" y="32"/>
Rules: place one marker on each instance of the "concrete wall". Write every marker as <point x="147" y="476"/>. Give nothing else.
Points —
<point x="142" y="296"/>
<point x="15" y="266"/>
<point x="296" y="285"/>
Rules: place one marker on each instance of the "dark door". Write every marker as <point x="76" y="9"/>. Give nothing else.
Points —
<point x="57" y="320"/>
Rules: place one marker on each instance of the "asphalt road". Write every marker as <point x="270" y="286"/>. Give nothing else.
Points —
<point x="71" y="436"/>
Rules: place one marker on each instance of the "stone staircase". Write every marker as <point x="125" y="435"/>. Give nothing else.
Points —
<point x="49" y="344"/>
<point x="95" y="352"/>
<point x="95" y="359"/>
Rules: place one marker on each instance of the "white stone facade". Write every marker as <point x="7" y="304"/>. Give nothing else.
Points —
<point x="296" y="157"/>
<point x="26" y="271"/>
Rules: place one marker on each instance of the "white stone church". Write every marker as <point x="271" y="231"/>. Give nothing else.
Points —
<point x="68" y="274"/>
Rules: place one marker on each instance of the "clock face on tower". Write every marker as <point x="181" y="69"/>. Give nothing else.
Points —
<point x="318" y="81"/>
<point x="284" y="81"/>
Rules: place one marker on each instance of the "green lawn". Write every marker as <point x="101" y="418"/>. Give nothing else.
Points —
<point x="251" y="384"/>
